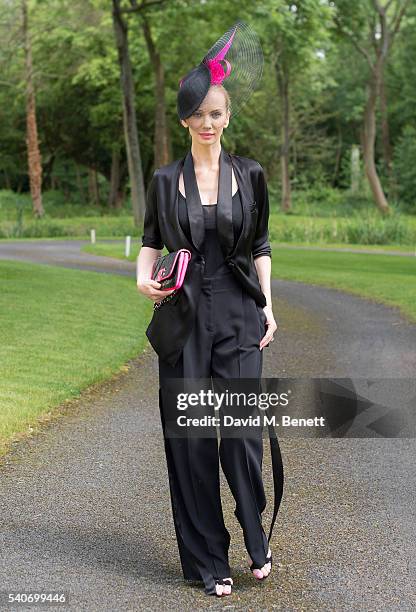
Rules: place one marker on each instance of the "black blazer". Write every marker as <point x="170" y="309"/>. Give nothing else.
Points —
<point x="171" y="324"/>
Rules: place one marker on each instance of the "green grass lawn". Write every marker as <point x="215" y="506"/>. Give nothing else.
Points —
<point x="383" y="278"/>
<point x="116" y="250"/>
<point x="386" y="248"/>
<point x="61" y="331"/>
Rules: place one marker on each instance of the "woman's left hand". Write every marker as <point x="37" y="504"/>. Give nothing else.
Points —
<point x="271" y="327"/>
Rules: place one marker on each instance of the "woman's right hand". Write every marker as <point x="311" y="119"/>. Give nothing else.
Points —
<point x="150" y="289"/>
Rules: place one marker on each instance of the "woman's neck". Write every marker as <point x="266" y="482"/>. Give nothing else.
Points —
<point x="206" y="158"/>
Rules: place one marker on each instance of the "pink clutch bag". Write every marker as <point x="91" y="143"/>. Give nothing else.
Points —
<point x="169" y="270"/>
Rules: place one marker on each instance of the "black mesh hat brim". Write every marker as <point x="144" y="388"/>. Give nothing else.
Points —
<point x="194" y="88"/>
<point x="244" y="59"/>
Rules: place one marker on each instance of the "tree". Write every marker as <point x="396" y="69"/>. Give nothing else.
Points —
<point x="293" y="29"/>
<point x="33" y="152"/>
<point x="134" y="161"/>
<point x="371" y="28"/>
<point x="162" y="148"/>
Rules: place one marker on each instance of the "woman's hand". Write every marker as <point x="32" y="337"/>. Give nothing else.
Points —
<point x="271" y="327"/>
<point x="150" y="288"/>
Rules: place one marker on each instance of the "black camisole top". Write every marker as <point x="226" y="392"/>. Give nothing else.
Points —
<point x="214" y="258"/>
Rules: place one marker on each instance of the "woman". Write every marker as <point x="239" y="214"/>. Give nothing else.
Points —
<point x="216" y="205"/>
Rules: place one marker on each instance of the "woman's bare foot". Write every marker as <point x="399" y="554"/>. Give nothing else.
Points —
<point x="223" y="586"/>
<point x="263" y="572"/>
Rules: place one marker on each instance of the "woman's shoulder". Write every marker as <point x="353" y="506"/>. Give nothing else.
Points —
<point x="167" y="169"/>
<point x="248" y="162"/>
<point x="249" y="166"/>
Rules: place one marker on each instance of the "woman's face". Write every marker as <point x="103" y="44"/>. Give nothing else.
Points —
<point x="207" y="123"/>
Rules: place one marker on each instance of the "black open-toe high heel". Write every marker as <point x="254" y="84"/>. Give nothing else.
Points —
<point x="269" y="559"/>
<point x="223" y="582"/>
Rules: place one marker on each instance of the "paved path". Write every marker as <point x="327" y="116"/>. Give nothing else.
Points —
<point x="85" y="507"/>
<point x="65" y="253"/>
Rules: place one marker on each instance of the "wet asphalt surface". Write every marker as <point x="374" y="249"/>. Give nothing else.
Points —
<point x="85" y="506"/>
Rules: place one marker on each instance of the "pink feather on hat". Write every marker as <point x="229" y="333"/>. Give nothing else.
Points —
<point x="215" y="67"/>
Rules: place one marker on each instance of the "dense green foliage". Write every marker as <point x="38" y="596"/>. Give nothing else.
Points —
<point x="78" y="96"/>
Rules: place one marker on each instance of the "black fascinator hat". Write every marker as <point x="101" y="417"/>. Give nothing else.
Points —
<point x="234" y="61"/>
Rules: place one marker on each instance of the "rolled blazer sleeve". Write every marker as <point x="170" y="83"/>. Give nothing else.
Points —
<point x="151" y="236"/>
<point x="261" y="244"/>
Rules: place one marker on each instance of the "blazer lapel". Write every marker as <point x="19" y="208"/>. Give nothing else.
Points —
<point x="246" y="196"/>
<point x="225" y="227"/>
<point x="174" y="197"/>
<point x="193" y="202"/>
<point x="224" y="203"/>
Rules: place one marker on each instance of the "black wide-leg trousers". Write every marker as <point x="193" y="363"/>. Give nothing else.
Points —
<point x="224" y="343"/>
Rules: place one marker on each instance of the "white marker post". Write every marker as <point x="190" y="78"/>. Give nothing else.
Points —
<point x="128" y="244"/>
<point x="93" y="236"/>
